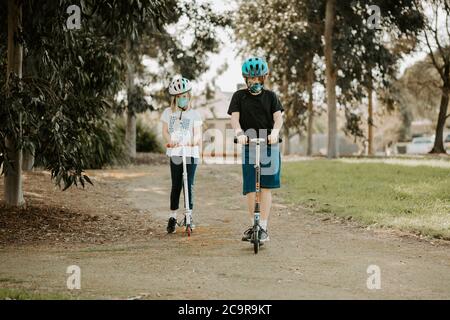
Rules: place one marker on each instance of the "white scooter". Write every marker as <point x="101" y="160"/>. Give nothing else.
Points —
<point x="187" y="211"/>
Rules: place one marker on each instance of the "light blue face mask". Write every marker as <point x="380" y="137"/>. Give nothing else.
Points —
<point x="256" y="88"/>
<point x="183" y="103"/>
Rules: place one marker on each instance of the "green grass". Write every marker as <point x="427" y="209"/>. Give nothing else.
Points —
<point x="414" y="199"/>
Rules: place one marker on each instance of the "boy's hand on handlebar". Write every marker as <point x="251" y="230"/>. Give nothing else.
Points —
<point x="242" y="139"/>
<point x="273" y="138"/>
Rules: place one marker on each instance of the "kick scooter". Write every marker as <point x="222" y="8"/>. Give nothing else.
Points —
<point x="256" y="238"/>
<point x="187" y="210"/>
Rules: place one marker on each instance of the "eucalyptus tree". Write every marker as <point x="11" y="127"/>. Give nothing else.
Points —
<point x="285" y="32"/>
<point x="357" y="55"/>
<point x="437" y="40"/>
<point x="189" y="19"/>
<point x="63" y="97"/>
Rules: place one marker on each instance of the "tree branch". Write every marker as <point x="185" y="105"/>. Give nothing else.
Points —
<point x="436" y="36"/>
<point x="447" y="10"/>
<point x="439" y="69"/>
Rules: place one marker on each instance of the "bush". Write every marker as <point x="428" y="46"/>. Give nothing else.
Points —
<point x="146" y="138"/>
<point x="107" y="147"/>
<point x="105" y="144"/>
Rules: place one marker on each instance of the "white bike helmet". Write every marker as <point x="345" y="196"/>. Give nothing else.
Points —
<point x="179" y="86"/>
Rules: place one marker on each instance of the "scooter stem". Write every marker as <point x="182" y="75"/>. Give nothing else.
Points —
<point x="185" y="184"/>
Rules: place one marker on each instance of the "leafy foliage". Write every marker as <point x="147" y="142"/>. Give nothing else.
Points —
<point x="63" y="104"/>
<point x="289" y="34"/>
<point x="146" y="137"/>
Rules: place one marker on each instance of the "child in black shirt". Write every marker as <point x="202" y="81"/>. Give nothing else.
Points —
<point x="257" y="112"/>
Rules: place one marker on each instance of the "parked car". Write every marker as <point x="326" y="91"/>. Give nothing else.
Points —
<point x="420" y="145"/>
<point x="447" y="141"/>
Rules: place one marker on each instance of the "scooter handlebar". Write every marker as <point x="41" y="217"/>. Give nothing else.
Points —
<point x="280" y="140"/>
<point x="168" y="145"/>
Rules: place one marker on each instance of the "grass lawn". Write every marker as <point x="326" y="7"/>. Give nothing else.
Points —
<point x="414" y="199"/>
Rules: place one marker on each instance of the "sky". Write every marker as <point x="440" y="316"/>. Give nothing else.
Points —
<point x="229" y="80"/>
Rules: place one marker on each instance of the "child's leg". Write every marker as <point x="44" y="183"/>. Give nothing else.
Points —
<point x="266" y="204"/>
<point x="251" y="204"/>
<point x="176" y="172"/>
<point x="191" y="168"/>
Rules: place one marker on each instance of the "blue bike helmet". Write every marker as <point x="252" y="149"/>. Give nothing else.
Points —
<point x="255" y="67"/>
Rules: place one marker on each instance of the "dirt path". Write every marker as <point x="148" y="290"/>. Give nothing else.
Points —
<point x="306" y="257"/>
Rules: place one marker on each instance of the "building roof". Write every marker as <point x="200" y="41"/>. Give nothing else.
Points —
<point x="215" y="108"/>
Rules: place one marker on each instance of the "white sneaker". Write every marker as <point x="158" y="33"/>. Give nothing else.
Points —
<point x="263" y="235"/>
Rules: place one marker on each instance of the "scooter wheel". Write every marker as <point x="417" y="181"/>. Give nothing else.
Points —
<point x="256" y="243"/>
<point x="256" y="246"/>
<point x="189" y="230"/>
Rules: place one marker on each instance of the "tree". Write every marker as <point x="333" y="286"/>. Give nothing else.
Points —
<point x="65" y="97"/>
<point x="367" y="54"/>
<point x="187" y="60"/>
<point x="285" y="32"/>
<point x="13" y="178"/>
<point x="438" y="44"/>
<point x="330" y="17"/>
<point x="416" y="95"/>
<point x="359" y="61"/>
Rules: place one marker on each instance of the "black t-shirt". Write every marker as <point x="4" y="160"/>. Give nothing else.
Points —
<point x="255" y="111"/>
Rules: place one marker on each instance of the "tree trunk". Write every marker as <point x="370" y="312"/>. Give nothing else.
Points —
<point x="285" y="94"/>
<point x="30" y="69"/>
<point x="13" y="178"/>
<point x="331" y="79"/>
<point x="130" y="135"/>
<point x="439" y="140"/>
<point x="287" y="144"/>
<point x="370" y="121"/>
<point x="130" y="132"/>
<point x="406" y="117"/>
<point x="28" y="160"/>
<point x="310" y="112"/>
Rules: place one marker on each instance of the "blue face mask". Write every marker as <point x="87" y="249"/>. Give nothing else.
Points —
<point x="256" y="88"/>
<point x="183" y="103"/>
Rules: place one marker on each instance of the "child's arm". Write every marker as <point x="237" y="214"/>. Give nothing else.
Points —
<point x="235" y="122"/>
<point x="278" y="123"/>
<point x="242" y="139"/>
<point x="197" y="139"/>
<point x="165" y="131"/>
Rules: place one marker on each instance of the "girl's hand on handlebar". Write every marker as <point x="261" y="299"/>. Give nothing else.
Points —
<point x="169" y="145"/>
<point x="173" y="143"/>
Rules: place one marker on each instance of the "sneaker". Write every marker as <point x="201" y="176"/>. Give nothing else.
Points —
<point x="171" y="225"/>
<point x="248" y="234"/>
<point x="263" y="235"/>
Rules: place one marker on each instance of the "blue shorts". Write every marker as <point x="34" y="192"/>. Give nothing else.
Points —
<point x="270" y="167"/>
